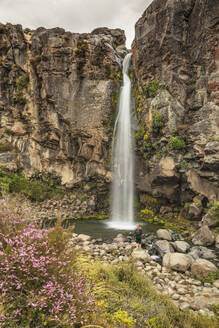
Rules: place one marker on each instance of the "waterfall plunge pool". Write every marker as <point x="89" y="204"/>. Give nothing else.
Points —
<point x="102" y="228"/>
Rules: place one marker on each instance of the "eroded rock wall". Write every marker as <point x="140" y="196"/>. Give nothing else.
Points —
<point x="58" y="93"/>
<point x="176" y="64"/>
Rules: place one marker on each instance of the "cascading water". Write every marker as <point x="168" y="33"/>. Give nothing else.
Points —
<point x="122" y="216"/>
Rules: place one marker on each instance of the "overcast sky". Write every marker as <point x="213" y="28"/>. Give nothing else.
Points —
<point x="74" y="15"/>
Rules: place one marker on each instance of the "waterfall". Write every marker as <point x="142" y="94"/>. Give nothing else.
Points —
<point x="122" y="216"/>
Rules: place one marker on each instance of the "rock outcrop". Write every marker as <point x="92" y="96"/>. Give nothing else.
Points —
<point x="58" y="93"/>
<point x="176" y="65"/>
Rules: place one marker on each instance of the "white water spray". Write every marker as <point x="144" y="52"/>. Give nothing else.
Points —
<point x="122" y="161"/>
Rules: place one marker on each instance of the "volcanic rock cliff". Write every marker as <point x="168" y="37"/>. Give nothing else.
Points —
<point x="58" y="96"/>
<point x="58" y="93"/>
<point x="176" y="64"/>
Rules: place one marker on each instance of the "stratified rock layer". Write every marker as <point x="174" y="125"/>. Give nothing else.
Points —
<point x="176" y="64"/>
<point x="58" y="92"/>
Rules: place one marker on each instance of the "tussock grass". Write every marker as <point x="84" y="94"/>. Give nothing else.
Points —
<point x="126" y="298"/>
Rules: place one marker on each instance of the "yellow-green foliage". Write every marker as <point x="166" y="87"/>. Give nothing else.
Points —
<point x="114" y="100"/>
<point x="178" y="223"/>
<point x="149" y="200"/>
<point x="121" y="317"/>
<point x="87" y="217"/>
<point x="210" y="278"/>
<point x="4" y="147"/>
<point x="22" y="82"/>
<point x="214" y="210"/>
<point x="131" y="75"/>
<point x="141" y="133"/>
<point x="197" y="202"/>
<point x="177" y="144"/>
<point x="126" y="298"/>
<point x="139" y="108"/>
<point x="147" y="214"/>
<point x="157" y="120"/>
<point x="151" y="88"/>
<point x="116" y="77"/>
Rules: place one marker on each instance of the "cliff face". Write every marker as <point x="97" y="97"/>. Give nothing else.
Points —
<point x="58" y="95"/>
<point x="58" y="92"/>
<point x="176" y="64"/>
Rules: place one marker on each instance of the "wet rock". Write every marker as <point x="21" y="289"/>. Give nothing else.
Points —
<point x="202" y="267"/>
<point x="163" y="247"/>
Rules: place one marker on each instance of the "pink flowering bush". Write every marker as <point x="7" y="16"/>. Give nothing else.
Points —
<point x="39" y="283"/>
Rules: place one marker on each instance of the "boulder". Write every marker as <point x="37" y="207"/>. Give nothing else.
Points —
<point x="202" y="252"/>
<point x="140" y="255"/>
<point x="202" y="268"/>
<point x="216" y="283"/>
<point x="181" y="246"/>
<point x="83" y="238"/>
<point x="119" y="238"/>
<point x="177" y="261"/>
<point x="203" y="236"/>
<point x="194" y="212"/>
<point x="202" y="186"/>
<point x="201" y="302"/>
<point x="163" y="247"/>
<point x="164" y="234"/>
<point x="208" y="221"/>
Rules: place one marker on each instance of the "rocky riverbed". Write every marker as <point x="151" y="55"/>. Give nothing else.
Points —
<point x="171" y="264"/>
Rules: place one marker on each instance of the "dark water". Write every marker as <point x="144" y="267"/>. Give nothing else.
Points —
<point x="99" y="228"/>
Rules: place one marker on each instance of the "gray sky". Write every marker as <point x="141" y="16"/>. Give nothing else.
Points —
<point x="74" y="15"/>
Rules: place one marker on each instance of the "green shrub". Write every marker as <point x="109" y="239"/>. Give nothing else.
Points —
<point x="147" y="213"/>
<point x="22" y="82"/>
<point x="4" y="147"/>
<point x="210" y="278"/>
<point x="177" y="144"/>
<point x="197" y="202"/>
<point x="214" y="210"/>
<point x="151" y="88"/>
<point x="36" y="190"/>
<point x="157" y="120"/>
<point x="140" y="133"/>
